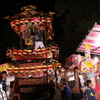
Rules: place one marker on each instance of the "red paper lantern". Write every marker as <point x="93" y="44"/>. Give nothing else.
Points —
<point x="48" y="19"/>
<point x="16" y="22"/>
<point x="12" y="24"/>
<point x="50" y="67"/>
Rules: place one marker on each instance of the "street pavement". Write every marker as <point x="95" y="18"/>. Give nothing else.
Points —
<point x="57" y="95"/>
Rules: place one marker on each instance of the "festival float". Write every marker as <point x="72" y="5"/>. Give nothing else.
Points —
<point x="35" y="64"/>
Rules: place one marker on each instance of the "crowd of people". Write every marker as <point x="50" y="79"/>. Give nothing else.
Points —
<point x="71" y="82"/>
<point x="74" y="85"/>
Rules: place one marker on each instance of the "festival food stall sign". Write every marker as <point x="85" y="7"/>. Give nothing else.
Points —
<point x="87" y="64"/>
<point x="90" y="66"/>
<point x="87" y="52"/>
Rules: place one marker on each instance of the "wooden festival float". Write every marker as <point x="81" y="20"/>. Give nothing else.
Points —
<point x="35" y="63"/>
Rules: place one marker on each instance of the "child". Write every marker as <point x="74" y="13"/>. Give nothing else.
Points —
<point x="90" y="92"/>
<point x="66" y="92"/>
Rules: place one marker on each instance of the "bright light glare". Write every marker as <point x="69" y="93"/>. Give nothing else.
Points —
<point x="95" y="59"/>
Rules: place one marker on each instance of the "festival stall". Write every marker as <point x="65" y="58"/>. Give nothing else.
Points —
<point x="91" y="45"/>
<point x="74" y="58"/>
<point x="35" y="64"/>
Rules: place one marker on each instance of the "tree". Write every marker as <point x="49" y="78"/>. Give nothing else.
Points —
<point x="76" y="18"/>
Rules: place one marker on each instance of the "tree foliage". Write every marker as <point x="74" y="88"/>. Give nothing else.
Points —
<point x="76" y="18"/>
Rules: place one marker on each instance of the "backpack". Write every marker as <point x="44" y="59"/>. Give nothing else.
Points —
<point x="71" y="84"/>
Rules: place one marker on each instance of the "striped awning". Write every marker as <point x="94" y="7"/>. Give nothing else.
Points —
<point x="93" y="38"/>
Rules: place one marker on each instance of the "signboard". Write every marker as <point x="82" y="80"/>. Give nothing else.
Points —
<point x="87" y="52"/>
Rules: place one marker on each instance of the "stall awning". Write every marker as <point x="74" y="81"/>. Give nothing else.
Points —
<point x="93" y="38"/>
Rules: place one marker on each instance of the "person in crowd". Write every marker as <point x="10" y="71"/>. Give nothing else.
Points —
<point x="66" y="92"/>
<point x="81" y="83"/>
<point x="59" y="79"/>
<point x="61" y="73"/>
<point x="3" y="95"/>
<point x="57" y="72"/>
<point x="90" y="92"/>
<point x="38" y="38"/>
<point x="85" y="78"/>
<point x="5" y="81"/>
<point x="72" y="77"/>
<point x="84" y="85"/>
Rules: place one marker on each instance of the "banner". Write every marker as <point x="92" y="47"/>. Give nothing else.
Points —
<point x="3" y="67"/>
<point x="87" y="52"/>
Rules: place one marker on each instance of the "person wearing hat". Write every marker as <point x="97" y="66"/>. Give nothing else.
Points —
<point x="72" y="77"/>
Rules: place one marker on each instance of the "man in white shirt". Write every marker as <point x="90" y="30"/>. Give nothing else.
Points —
<point x="6" y="82"/>
<point x="2" y="93"/>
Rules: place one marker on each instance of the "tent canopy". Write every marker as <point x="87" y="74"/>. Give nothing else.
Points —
<point x="93" y="38"/>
